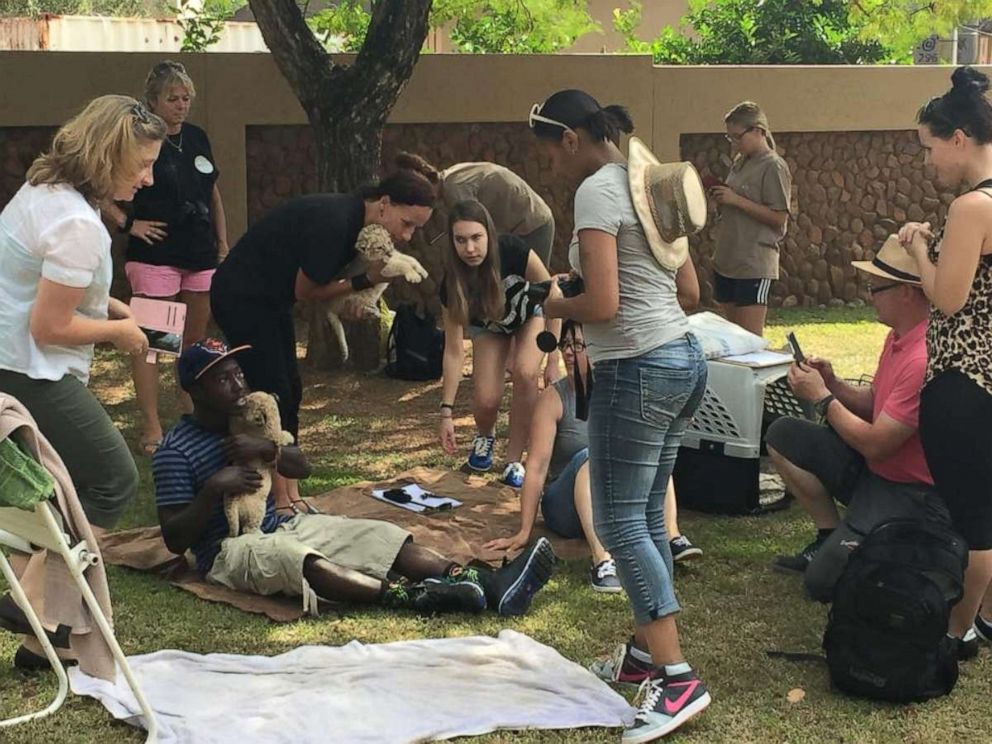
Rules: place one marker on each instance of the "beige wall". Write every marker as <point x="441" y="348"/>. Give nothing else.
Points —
<point x="238" y="90"/>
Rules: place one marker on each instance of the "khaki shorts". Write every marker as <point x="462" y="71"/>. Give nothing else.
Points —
<point x="272" y="563"/>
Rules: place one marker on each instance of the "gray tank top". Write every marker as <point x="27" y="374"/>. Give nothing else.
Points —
<point x="572" y="436"/>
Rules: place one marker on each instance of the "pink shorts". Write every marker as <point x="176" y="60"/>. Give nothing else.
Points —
<point x="165" y="281"/>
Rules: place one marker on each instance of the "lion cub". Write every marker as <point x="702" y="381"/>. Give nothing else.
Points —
<point x="259" y="417"/>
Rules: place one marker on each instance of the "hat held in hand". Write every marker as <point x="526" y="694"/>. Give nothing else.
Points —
<point x="892" y="262"/>
<point x="670" y="202"/>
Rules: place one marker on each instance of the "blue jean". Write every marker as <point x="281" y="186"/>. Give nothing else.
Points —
<point x="639" y="410"/>
<point x="558" y="500"/>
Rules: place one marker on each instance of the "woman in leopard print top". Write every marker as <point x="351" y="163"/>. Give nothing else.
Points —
<point x="955" y="130"/>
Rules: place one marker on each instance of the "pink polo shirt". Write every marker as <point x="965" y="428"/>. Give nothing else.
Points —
<point x="898" y="382"/>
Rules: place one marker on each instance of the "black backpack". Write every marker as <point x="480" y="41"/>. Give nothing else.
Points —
<point x="415" y="347"/>
<point x="886" y="636"/>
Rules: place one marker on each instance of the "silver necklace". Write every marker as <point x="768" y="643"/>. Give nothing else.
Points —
<point x="168" y="138"/>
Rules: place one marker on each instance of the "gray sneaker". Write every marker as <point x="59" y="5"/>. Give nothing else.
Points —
<point x="603" y="577"/>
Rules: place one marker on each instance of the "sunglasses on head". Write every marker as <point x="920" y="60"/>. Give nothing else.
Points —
<point x="535" y="117"/>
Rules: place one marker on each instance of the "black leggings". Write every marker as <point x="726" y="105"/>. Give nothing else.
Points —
<point x="270" y="365"/>
<point x="956" y="432"/>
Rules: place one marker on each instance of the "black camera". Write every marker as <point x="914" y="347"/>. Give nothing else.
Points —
<point x="193" y="214"/>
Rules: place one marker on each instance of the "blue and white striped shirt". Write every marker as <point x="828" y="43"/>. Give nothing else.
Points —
<point x="187" y="458"/>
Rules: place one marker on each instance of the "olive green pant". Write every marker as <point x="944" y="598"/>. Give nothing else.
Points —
<point x="93" y="450"/>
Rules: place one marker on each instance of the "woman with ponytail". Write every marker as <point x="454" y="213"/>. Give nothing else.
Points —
<point x="649" y="377"/>
<point x="295" y="252"/>
<point x="955" y="262"/>
<point x="754" y="212"/>
<point x="55" y="276"/>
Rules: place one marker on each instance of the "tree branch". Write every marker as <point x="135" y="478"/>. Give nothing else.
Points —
<point x="302" y="60"/>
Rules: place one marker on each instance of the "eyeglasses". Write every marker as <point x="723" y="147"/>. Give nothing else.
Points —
<point x="876" y="290"/>
<point x="738" y="137"/>
<point x="535" y="117"/>
<point x="570" y="344"/>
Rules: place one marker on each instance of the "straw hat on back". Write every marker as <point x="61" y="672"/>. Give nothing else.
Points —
<point x="670" y="202"/>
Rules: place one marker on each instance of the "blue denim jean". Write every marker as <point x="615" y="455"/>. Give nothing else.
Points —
<point x="639" y="410"/>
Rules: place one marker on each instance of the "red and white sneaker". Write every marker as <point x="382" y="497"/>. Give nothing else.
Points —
<point x="667" y="703"/>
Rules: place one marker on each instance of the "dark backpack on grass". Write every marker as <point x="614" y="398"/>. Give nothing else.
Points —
<point x="886" y="637"/>
<point x="415" y="347"/>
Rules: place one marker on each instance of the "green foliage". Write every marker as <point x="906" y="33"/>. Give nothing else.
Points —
<point x="475" y="26"/>
<point x="902" y="24"/>
<point x="513" y="26"/>
<point x="341" y="27"/>
<point x="202" y="26"/>
<point x="763" y="32"/>
<point x="123" y="8"/>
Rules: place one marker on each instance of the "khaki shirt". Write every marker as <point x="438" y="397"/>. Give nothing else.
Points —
<point x="745" y="247"/>
<point x="515" y="207"/>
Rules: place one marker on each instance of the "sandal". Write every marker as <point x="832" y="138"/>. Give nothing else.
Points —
<point x="287" y="511"/>
<point x="301" y="506"/>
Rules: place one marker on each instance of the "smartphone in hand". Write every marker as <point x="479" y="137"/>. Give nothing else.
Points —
<point x="797" y="352"/>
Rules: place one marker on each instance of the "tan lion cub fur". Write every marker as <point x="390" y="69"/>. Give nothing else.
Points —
<point x="374" y="244"/>
<point x="259" y="417"/>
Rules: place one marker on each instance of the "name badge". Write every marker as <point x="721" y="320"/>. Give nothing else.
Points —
<point x="203" y="165"/>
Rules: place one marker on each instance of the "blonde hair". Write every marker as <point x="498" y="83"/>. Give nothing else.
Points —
<point x="98" y="147"/>
<point x="749" y="115"/>
<point x="166" y="75"/>
<point x="473" y="291"/>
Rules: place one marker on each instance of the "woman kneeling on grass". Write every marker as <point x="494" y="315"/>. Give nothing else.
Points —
<point x="485" y="290"/>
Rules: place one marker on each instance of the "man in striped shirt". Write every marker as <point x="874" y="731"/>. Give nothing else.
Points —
<point x="336" y="558"/>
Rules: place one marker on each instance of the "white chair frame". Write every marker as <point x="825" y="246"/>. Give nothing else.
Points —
<point x="26" y="532"/>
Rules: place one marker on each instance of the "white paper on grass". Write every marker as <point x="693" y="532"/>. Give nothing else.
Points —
<point x="421" y="500"/>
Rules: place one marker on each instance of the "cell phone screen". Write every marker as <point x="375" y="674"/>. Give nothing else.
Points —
<point x="797" y="352"/>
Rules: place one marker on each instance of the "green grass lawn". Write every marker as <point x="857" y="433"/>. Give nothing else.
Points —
<point x="734" y="606"/>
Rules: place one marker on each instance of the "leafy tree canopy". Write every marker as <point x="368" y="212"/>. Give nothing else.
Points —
<point x="902" y="24"/>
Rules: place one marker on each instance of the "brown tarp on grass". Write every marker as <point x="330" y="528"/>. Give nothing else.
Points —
<point x="489" y="510"/>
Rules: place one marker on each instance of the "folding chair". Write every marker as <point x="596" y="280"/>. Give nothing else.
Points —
<point x="26" y="532"/>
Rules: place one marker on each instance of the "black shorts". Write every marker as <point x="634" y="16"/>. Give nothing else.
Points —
<point x="740" y="292"/>
<point x="818" y="449"/>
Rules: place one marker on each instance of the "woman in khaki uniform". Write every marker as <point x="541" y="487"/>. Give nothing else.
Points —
<point x="753" y="214"/>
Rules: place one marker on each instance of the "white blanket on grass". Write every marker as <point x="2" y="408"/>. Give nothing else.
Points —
<point x="408" y="691"/>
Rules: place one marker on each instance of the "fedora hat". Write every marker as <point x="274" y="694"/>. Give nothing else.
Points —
<point x="670" y="202"/>
<point x="892" y="262"/>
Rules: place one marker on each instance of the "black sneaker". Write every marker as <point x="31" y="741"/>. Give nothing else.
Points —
<point x="967" y="645"/>
<point x="510" y="589"/>
<point x="667" y="703"/>
<point x="439" y="596"/>
<point x="603" y="577"/>
<point x="983" y="628"/>
<point x="799" y="562"/>
<point x="682" y="548"/>
<point x="29" y="661"/>
<point x="623" y="667"/>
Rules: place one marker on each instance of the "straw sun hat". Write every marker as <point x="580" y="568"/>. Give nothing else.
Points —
<point x="892" y="262"/>
<point x="670" y="202"/>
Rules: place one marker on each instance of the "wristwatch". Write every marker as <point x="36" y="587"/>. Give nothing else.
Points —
<point x="823" y="404"/>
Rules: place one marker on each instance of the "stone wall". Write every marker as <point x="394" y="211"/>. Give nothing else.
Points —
<point x="850" y="191"/>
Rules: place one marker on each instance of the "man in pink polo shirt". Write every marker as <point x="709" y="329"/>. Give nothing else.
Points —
<point x="868" y="456"/>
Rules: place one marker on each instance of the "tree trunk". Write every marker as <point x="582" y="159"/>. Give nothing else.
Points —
<point x="347" y="107"/>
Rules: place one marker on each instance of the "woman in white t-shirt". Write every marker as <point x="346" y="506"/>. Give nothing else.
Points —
<point x="649" y="375"/>
<point x="55" y="275"/>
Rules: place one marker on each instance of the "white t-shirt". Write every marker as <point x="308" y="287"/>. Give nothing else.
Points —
<point x="649" y="314"/>
<point x="51" y="232"/>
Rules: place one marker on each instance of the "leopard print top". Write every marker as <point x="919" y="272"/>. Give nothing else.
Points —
<point x="963" y="341"/>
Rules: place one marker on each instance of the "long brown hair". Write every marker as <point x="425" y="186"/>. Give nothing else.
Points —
<point x="98" y="147"/>
<point x="473" y="291"/>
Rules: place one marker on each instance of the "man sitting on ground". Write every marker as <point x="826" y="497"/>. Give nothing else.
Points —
<point x="869" y="455"/>
<point x="339" y="559"/>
